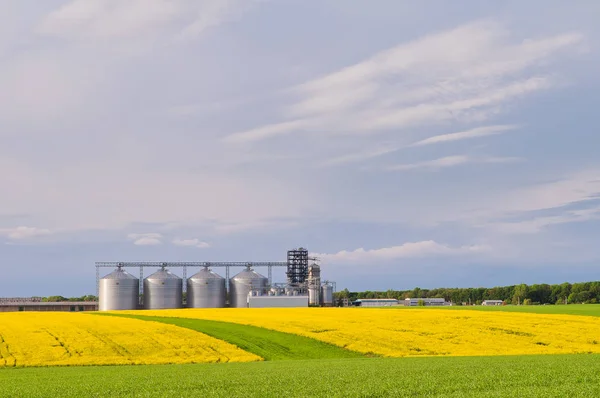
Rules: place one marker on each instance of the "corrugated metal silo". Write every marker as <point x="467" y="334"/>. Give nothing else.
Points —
<point x="327" y="295"/>
<point x="244" y="282"/>
<point x="314" y="284"/>
<point x="162" y="290"/>
<point x="206" y="289"/>
<point x="119" y="290"/>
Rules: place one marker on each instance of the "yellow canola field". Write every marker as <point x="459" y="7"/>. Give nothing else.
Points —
<point x="43" y="339"/>
<point x="419" y="332"/>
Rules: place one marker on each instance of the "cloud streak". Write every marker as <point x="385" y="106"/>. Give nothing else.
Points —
<point x="23" y="232"/>
<point x="449" y="161"/>
<point x="193" y="242"/>
<point x="465" y="135"/>
<point x="455" y="76"/>
<point x="428" y="248"/>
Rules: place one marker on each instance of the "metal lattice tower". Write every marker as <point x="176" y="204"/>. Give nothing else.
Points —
<point x="297" y="267"/>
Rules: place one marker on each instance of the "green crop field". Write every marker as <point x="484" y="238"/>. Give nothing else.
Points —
<point x="570" y="309"/>
<point x="523" y="376"/>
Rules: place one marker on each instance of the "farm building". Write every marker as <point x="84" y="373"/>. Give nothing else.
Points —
<point x="492" y="302"/>
<point x="70" y="306"/>
<point x="429" y="302"/>
<point x="375" y="302"/>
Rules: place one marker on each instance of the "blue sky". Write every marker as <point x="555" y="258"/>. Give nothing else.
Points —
<point x="453" y="144"/>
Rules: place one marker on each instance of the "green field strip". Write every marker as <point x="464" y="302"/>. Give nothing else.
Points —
<point x="454" y="377"/>
<point x="570" y="309"/>
<point x="268" y="344"/>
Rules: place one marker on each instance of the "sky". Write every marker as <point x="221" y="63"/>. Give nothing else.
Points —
<point x="453" y="144"/>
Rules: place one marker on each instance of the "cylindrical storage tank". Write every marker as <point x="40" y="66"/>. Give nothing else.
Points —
<point x="242" y="284"/>
<point x="327" y="295"/>
<point x="162" y="290"/>
<point x="206" y="289"/>
<point x="314" y="295"/>
<point x="119" y="290"/>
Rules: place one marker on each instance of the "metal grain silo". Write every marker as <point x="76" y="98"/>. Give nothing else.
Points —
<point x="206" y="289"/>
<point x="119" y="290"/>
<point x="327" y="295"/>
<point x="244" y="282"/>
<point x="314" y="284"/>
<point x="162" y="290"/>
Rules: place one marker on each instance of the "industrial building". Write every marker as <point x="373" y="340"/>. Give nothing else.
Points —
<point x="428" y="302"/>
<point x="492" y="302"/>
<point x="120" y="290"/>
<point x="375" y="302"/>
<point x="36" y="304"/>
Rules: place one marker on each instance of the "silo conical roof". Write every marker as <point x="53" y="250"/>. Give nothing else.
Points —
<point x="119" y="274"/>
<point x="162" y="274"/>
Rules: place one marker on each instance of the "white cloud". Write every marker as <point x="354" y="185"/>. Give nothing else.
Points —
<point x="146" y="239"/>
<point x="407" y="250"/>
<point x="108" y="18"/>
<point x="213" y="13"/>
<point x="116" y="19"/>
<point x="194" y="242"/>
<point x="23" y="232"/>
<point x="449" y="161"/>
<point x="357" y="157"/>
<point x="467" y="134"/>
<point x="460" y="75"/>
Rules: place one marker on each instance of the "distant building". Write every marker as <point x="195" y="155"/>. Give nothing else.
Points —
<point x="277" y="301"/>
<point x="492" y="302"/>
<point x="428" y="302"/>
<point x="69" y="306"/>
<point x="375" y="302"/>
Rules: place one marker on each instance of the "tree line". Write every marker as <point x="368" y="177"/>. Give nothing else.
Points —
<point x="55" y="299"/>
<point x="564" y="293"/>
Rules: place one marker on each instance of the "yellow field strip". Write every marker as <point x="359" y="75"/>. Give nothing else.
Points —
<point x="419" y="332"/>
<point x="42" y="339"/>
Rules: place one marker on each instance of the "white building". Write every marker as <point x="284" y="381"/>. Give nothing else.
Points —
<point x="492" y="302"/>
<point x="429" y="302"/>
<point x="375" y="302"/>
<point x="277" y="301"/>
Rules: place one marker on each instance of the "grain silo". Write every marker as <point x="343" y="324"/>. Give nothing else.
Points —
<point x="314" y="284"/>
<point x="162" y="290"/>
<point x="118" y="290"/>
<point x="206" y="289"/>
<point x="244" y="282"/>
<point x="327" y="295"/>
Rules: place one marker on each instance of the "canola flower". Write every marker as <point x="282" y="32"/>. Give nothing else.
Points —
<point x="54" y="338"/>
<point x="418" y="332"/>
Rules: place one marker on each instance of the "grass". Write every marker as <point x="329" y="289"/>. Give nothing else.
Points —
<point x="524" y="376"/>
<point x="268" y="344"/>
<point x="571" y="309"/>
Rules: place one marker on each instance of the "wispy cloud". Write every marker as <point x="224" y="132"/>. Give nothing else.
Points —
<point x="407" y="250"/>
<point x="460" y="75"/>
<point x="146" y="239"/>
<point x="358" y="157"/>
<point x="115" y="19"/>
<point x="193" y="242"/>
<point x="450" y="161"/>
<point x="467" y="134"/>
<point x="24" y="232"/>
